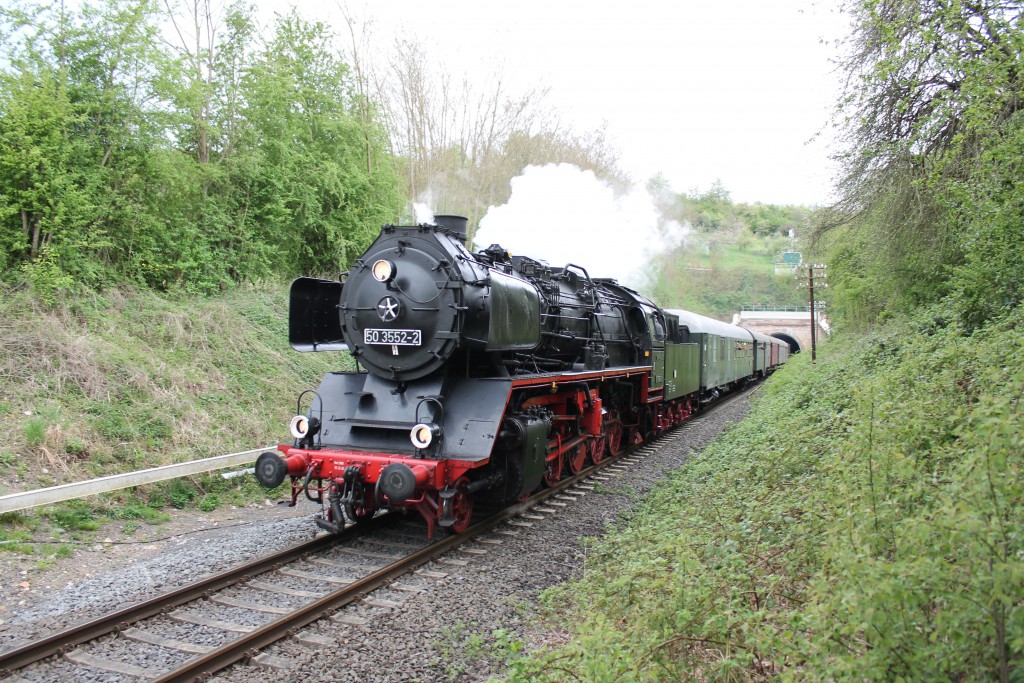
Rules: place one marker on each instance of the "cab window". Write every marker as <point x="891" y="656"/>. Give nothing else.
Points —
<point x="657" y="328"/>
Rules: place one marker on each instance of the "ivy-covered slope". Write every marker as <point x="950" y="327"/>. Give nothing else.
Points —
<point x="864" y="522"/>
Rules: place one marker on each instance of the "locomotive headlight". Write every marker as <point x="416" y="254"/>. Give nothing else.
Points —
<point x="302" y="426"/>
<point x="299" y="426"/>
<point x="383" y="270"/>
<point x="424" y="434"/>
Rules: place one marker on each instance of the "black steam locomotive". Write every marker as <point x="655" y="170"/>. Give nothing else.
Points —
<point x="485" y="375"/>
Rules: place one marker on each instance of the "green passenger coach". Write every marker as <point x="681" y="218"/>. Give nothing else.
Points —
<point x="724" y="353"/>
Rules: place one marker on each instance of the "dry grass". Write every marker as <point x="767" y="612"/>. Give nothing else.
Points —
<point x="42" y="350"/>
<point x="112" y="382"/>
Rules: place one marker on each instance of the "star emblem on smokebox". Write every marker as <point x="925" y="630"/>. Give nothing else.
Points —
<point x="388" y="309"/>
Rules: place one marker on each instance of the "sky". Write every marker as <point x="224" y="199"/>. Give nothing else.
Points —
<point x="734" y="92"/>
<point x="737" y="93"/>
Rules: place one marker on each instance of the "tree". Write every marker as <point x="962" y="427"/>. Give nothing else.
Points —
<point x="324" y="188"/>
<point x="933" y="88"/>
<point x="71" y="127"/>
<point x="460" y="142"/>
<point x="223" y="158"/>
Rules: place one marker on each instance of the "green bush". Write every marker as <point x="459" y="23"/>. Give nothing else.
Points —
<point x="864" y="522"/>
<point x="137" y="510"/>
<point x="209" y="502"/>
<point x="76" y="446"/>
<point x="180" y="493"/>
<point x="74" y="516"/>
<point x="46" y="278"/>
<point x="35" y="431"/>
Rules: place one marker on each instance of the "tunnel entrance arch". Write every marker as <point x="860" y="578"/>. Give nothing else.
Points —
<point x="792" y="325"/>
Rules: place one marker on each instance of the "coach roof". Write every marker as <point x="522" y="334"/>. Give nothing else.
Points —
<point x="699" y="324"/>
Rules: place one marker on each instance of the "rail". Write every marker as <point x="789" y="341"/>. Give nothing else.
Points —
<point x="246" y="646"/>
<point x="61" y="641"/>
<point x="234" y="650"/>
<point x="24" y="500"/>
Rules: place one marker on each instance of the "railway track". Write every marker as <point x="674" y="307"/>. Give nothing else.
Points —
<point x="359" y="562"/>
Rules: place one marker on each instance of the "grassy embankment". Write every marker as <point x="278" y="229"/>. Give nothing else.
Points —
<point x="129" y="380"/>
<point x="716" y="274"/>
<point x="865" y="522"/>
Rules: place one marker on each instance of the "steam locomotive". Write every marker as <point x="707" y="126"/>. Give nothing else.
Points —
<point x="482" y="376"/>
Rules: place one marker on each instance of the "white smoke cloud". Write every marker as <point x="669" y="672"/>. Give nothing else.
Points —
<point x="561" y="214"/>
<point x="422" y="210"/>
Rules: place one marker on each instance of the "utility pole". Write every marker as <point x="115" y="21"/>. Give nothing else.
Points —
<point x="816" y="270"/>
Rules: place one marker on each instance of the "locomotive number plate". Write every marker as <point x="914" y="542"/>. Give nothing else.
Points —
<point x="392" y="337"/>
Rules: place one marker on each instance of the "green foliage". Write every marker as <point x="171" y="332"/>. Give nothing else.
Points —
<point x="709" y="210"/>
<point x="989" y="205"/>
<point x="74" y="516"/>
<point x="134" y="379"/>
<point x="135" y="509"/>
<point x="771" y="219"/>
<point x="722" y="274"/>
<point x="934" y="497"/>
<point x="16" y="527"/>
<point x="862" y="523"/>
<point x="180" y="493"/>
<point x="20" y="533"/>
<point x="35" y="431"/>
<point x="317" y="157"/>
<point x="209" y="502"/>
<point x="714" y="211"/>
<point x="720" y="280"/>
<point x="729" y="261"/>
<point x="930" y="191"/>
<point x="76" y="446"/>
<point x="854" y="280"/>
<point x="46" y="278"/>
<point x="123" y="159"/>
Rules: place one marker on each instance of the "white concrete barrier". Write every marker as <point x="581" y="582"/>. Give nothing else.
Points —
<point x="80" y="489"/>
